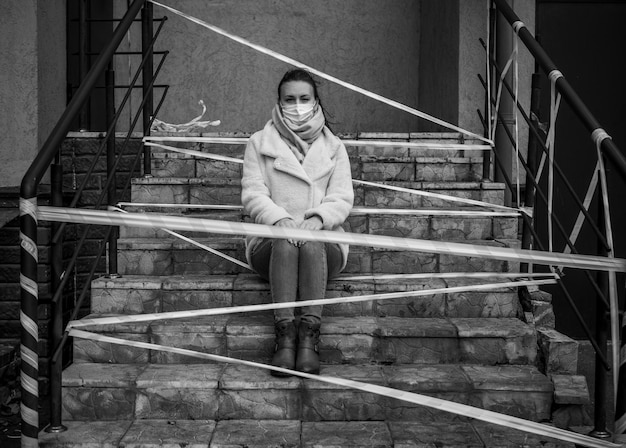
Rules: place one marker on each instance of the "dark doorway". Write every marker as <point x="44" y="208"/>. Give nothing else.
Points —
<point x="85" y="39"/>
<point x="586" y="42"/>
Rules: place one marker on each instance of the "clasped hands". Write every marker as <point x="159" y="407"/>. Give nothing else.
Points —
<point x="312" y="223"/>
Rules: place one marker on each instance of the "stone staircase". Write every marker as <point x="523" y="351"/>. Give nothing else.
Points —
<point x="476" y="348"/>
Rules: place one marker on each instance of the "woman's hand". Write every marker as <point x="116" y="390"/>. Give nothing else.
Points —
<point x="312" y="223"/>
<point x="290" y="224"/>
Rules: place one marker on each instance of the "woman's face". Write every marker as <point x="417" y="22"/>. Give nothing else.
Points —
<point x="296" y="92"/>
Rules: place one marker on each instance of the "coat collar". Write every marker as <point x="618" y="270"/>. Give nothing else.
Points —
<point x="317" y="162"/>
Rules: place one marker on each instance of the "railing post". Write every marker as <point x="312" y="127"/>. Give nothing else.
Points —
<point x="600" y="430"/>
<point x="29" y="294"/>
<point x="147" y="33"/>
<point x="56" y="264"/>
<point x="111" y="174"/>
<point x="531" y="161"/>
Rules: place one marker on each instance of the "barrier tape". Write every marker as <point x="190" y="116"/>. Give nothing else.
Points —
<point x="29" y="293"/>
<point x="198" y="244"/>
<point x="346" y="142"/>
<point x="115" y="320"/>
<point x="101" y="217"/>
<point x="193" y="152"/>
<point x="161" y="126"/>
<point x="580" y="219"/>
<point x="409" y="397"/>
<point x="321" y="74"/>
<point x="444" y="275"/>
<point x="356" y="211"/>
<point x="429" y="194"/>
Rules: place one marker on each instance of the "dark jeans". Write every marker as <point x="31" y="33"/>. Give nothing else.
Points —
<point x="296" y="273"/>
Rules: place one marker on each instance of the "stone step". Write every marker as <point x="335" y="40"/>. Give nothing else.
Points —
<point x="292" y="434"/>
<point x="131" y="294"/>
<point x="343" y="340"/>
<point x="228" y="392"/>
<point x="388" y="167"/>
<point x="420" y="225"/>
<point x="178" y="190"/>
<point x="171" y="256"/>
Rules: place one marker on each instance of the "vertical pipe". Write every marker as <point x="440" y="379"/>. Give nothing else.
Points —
<point x="29" y="295"/>
<point x="111" y="174"/>
<point x="489" y="112"/>
<point x="83" y="58"/>
<point x="602" y="331"/>
<point x="56" y="264"/>
<point x="531" y="162"/>
<point x="147" y="33"/>
<point x="504" y="48"/>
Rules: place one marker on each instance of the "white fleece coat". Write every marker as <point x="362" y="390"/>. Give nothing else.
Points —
<point x="276" y="186"/>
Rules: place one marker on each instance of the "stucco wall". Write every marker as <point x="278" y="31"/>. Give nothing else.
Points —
<point x="371" y="43"/>
<point x="32" y="80"/>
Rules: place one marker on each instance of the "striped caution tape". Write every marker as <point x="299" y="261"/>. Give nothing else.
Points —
<point x="321" y="74"/>
<point x="64" y="214"/>
<point x="356" y="211"/>
<point x="409" y="397"/>
<point x="114" y="320"/>
<point x="347" y="142"/>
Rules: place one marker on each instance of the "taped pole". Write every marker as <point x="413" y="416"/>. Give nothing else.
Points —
<point x="28" y="319"/>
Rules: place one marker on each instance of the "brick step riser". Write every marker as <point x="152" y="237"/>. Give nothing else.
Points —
<point x="364" y="150"/>
<point x="438" y="228"/>
<point x="257" y="344"/>
<point x="257" y="397"/>
<point x="462" y="304"/>
<point x="200" y="404"/>
<point x="411" y="170"/>
<point x="154" y="261"/>
<point x="229" y="194"/>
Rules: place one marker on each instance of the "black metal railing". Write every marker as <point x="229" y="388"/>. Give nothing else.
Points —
<point x="117" y="185"/>
<point x="535" y="196"/>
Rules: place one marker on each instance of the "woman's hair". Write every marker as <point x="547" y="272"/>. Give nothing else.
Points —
<point x="299" y="74"/>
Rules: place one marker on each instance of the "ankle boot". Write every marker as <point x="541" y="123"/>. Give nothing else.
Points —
<point x="307" y="359"/>
<point x="285" y="351"/>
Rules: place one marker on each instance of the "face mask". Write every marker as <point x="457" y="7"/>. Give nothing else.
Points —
<point x="298" y="113"/>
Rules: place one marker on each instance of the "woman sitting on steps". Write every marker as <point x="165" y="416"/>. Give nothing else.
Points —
<point x="296" y="174"/>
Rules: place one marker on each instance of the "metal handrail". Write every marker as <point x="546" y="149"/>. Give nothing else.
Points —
<point x="610" y="152"/>
<point x="608" y="147"/>
<point x="49" y="153"/>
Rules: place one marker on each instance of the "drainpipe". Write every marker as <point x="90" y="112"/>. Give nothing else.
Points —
<point x="504" y="48"/>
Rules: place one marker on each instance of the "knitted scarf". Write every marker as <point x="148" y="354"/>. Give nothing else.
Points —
<point x="300" y="136"/>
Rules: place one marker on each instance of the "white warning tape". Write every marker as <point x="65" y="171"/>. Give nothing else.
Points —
<point x="436" y="195"/>
<point x="193" y="125"/>
<point x="181" y="206"/>
<point x="115" y="320"/>
<point x="193" y="152"/>
<point x="409" y="397"/>
<point x="321" y="74"/>
<point x="447" y="275"/>
<point x="346" y="142"/>
<point x="356" y="211"/>
<point x="198" y="244"/>
<point x="101" y="217"/>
